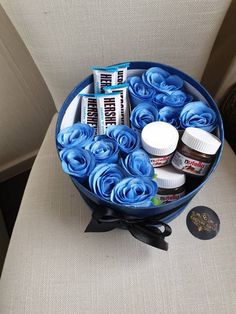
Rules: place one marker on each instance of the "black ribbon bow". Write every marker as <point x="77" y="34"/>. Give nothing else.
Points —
<point x="145" y="229"/>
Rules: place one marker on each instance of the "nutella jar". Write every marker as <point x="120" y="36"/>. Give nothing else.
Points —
<point x="159" y="140"/>
<point x="171" y="184"/>
<point x="196" y="151"/>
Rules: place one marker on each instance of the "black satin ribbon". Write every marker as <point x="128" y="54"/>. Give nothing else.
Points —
<point x="145" y="229"/>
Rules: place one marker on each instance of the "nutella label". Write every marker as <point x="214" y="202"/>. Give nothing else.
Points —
<point x="108" y="111"/>
<point x="89" y="113"/>
<point x="190" y="165"/>
<point x="160" y="161"/>
<point x="170" y="197"/>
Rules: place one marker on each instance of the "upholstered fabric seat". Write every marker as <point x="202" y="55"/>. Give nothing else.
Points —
<point x="52" y="266"/>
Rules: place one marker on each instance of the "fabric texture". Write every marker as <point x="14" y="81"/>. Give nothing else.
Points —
<point x="52" y="266"/>
<point x="218" y="78"/>
<point x="65" y="38"/>
<point x="26" y="104"/>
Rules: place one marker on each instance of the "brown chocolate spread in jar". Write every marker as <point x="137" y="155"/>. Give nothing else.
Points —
<point x="171" y="184"/>
<point x="195" y="151"/>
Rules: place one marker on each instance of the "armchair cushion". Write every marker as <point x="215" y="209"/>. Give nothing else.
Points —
<point x="52" y="266"/>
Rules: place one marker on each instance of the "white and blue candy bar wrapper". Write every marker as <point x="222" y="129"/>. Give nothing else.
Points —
<point x="109" y="111"/>
<point x="125" y="106"/>
<point x="89" y="112"/>
<point x="104" y="76"/>
<point x="122" y="73"/>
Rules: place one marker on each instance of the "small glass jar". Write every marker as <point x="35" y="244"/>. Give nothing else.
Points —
<point x="195" y="152"/>
<point x="171" y="184"/>
<point x="159" y="140"/>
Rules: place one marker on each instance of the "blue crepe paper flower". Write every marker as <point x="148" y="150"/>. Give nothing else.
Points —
<point x="137" y="163"/>
<point x="136" y="192"/>
<point x="104" y="149"/>
<point x="127" y="139"/>
<point x="103" y="179"/>
<point x="198" y="115"/>
<point x="175" y="99"/>
<point x="143" y="114"/>
<point x="138" y="91"/>
<point x="77" y="162"/>
<point x="77" y="135"/>
<point x="162" y="80"/>
<point x="170" y="115"/>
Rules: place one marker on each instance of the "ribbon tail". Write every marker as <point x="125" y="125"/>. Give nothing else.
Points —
<point x="96" y="226"/>
<point x="149" y="235"/>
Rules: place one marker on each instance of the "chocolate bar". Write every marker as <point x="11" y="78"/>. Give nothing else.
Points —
<point x="109" y="110"/>
<point x="125" y="108"/>
<point x="89" y="113"/>
<point x="104" y="76"/>
<point x="122" y="73"/>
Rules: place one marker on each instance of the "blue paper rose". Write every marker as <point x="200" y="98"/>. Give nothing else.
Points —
<point x="136" y="192"/>
<point x="162" y="80"/>
<point x="127" y="139"/>
<point x="100" y="137"/>
<point x="103" y="179"/>
<point x="138" y="163"/>
<point x="77" y="135"/>
<point x="143" y="114"/>
<point x="174" y="99"/>
<point x="104" y="150"/>
<point x="170" y="115"/>
<point x="138" y="91"/>
<point x="198" y="115"/>
<point x="77" y="162"/>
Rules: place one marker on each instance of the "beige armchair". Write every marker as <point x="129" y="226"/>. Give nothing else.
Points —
<point x="52" y="266"/>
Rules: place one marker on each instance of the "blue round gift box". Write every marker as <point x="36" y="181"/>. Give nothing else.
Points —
<point x="70" y="112"/>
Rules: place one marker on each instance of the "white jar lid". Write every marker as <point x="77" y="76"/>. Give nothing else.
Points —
<point x="201" y="141"/>
<point x="159" y="138"/>
<point x="169" y="178"/>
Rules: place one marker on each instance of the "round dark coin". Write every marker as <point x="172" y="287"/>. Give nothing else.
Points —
<point x="203" y="222"/>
